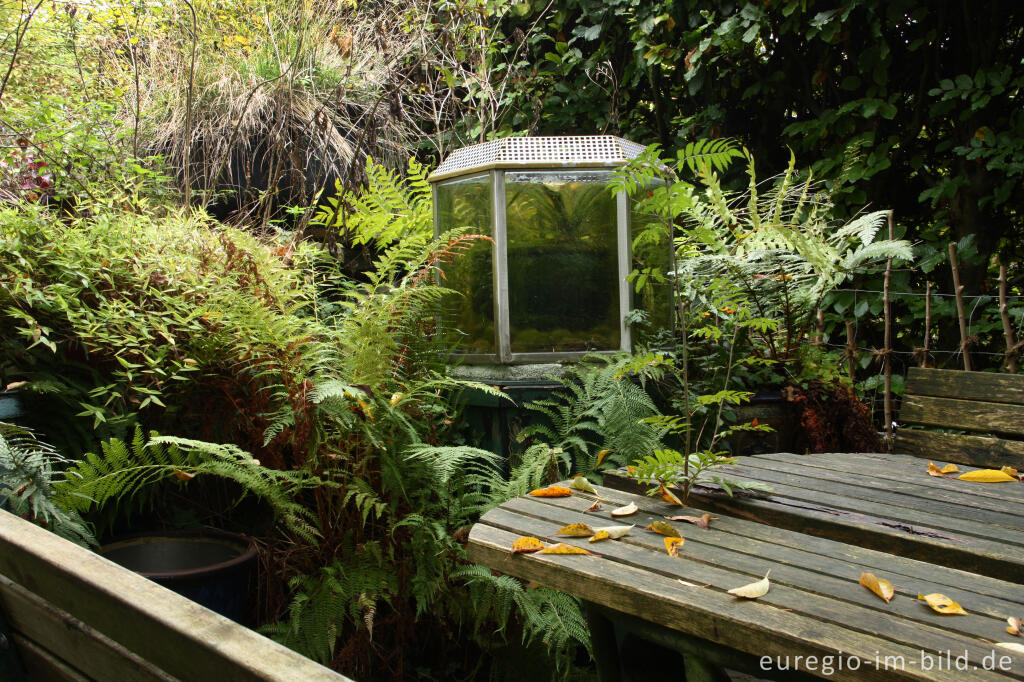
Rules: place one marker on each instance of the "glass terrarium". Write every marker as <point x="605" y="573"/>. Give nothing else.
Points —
<point x="551" y="283"/>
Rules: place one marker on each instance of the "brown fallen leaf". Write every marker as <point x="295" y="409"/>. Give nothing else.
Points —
<point x="672" y="545"/>
<point x="526" y="545"/>
<point x="753" y="590"/>
<point x="1014" y="627"/>
<point x="1010" y="471"/>
<point x="942" y="604"/>
<point x="987" y="476"/>
<point x="183" y="475"/>
<point x="562" y="548"/>
<point x="669" y="496"/>
<point x="883" y="588"/>
<point x="581" y="483"/>
<point x="703" y="521"/>
<point x="933" y="470"/>
<point x="576" y="530"/>
<point x="630" y="508"/>
<point x="594" y="507"/>
<point x="663" y="528"/>
<point x="551" y="491"/>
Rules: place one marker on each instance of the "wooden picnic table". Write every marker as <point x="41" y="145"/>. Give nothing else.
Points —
<point x="815" y="608"/>
<point x="882" y="501"/>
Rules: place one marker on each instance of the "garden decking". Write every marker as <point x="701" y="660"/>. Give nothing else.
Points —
<point x="815" y="606"/>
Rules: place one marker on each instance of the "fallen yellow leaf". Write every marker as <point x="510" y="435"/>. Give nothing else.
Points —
<point x="526" y="544"/>
<point x="942" y="604"/>
<point x="630" y="508"/>
<point x="934" y="470"/>
<point x="883" y="588"/>
<point x="987" y="476"/>
<point x="1014" y="626"/>
<point x="753" y="590"/>
<point x="581" y="483"/>
<point x="552" y="491"/>
<point x="663" y="528"/>
<point x="600" y="457"/>
<point x="576" y="530"/>
<point x="1010" y="471"/>
<point x="562" y="548"/>
<point x="669" y="496"/>
<point x="672" y="545"/>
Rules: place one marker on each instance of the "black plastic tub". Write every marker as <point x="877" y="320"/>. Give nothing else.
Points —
<point x="212" y="568"/>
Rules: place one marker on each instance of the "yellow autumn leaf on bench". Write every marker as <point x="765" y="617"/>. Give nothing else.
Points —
<point x="942" y="604"/>
<point x="672" y="545"/>
<point x="933" y="470"/>
<point x="581" y="483"/>
<point x="753" y="590"/>
<point x="552" y="491"/>
<point x="630" y="508"/>
<point x="883" y="588"/>
<point x="1014" y="626"/>
<point x="562" y="548"/>
<point x="669" y="496"/>
<point x="609" y="533"/>
<point x="986" y="476"/>
<point x="663" y="528"/>
<point x="526" y="544"/>
<point x="576" y="530"/>
<point x="1010" y="471"/>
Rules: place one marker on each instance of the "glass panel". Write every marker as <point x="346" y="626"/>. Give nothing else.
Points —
<point x="562" y="272"/>
<point x="466" y="202"/>
<point x="652" y="260"/>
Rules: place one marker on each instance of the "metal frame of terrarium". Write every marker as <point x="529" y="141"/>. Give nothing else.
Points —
<point x="491" y="160"/>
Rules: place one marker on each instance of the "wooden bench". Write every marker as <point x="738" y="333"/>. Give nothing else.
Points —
<point x="816" y="620"/>
<point x="73" y="616"/>
<point x="888" y="502"/>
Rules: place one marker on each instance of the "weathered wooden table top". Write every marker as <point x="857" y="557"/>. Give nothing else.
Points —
<point x="815" y="606"/>
<point x="882" y="501"/>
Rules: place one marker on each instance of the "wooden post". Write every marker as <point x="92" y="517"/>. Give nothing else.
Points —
<point x="1008" y="333"/>
<point x="958" y="290"/>
<point x="851" y="350"/>
<point x="887" y="306"/>
<point x="927" y="323"/>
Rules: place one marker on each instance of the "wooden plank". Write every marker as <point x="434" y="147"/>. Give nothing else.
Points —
<point x="967" y="415"/>
<point x="42" y="665"/>
<point x="177" y="635"/>
<point x="985" y="386"/>
<point x="69" y="639"/>
<point x="758" y="627"/>
<point x="896" y="472"/>
<point x="934" y="545"/>
<point x="753" y="538"/>
<point x="836" y="577"/>
<point x="980" y="451"/>
<point x="911" y="498"/>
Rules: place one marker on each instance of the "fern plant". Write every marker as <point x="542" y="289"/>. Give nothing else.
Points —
<point x="30" y="476"/>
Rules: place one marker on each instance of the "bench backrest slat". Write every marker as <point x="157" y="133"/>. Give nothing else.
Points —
<point x="987" y="404"/>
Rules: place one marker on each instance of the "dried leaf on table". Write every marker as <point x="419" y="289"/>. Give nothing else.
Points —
<point x="526" y="544"/>
<point x="933" y="470"/>
<point x="669" y="496"/>
<point x="581" y="483"/>
<point x="630" y="508"/>
<point x="753" y="590"/>
<point x="594" y="507"/>
<point x="562" y="548"/>
<point x="663" y="528"/>
<point x="552" y="491"/>
<point x="1012" y="646"/>
<point x="609" y="533"/>
<point x="987" y="476"/>
<point x="1010" y="471"/>
<point x="689" y="584"/>
<point x="1015" y="625"/>
<point x="576" y="530"/>
<point x="942" y="604"/>
<point x="883" y="588"/>
<point x="672" y="545"/>
<point x="703" y="521"/>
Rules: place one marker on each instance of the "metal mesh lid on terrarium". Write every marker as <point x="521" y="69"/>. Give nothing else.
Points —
<point x="539" y="152"/>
